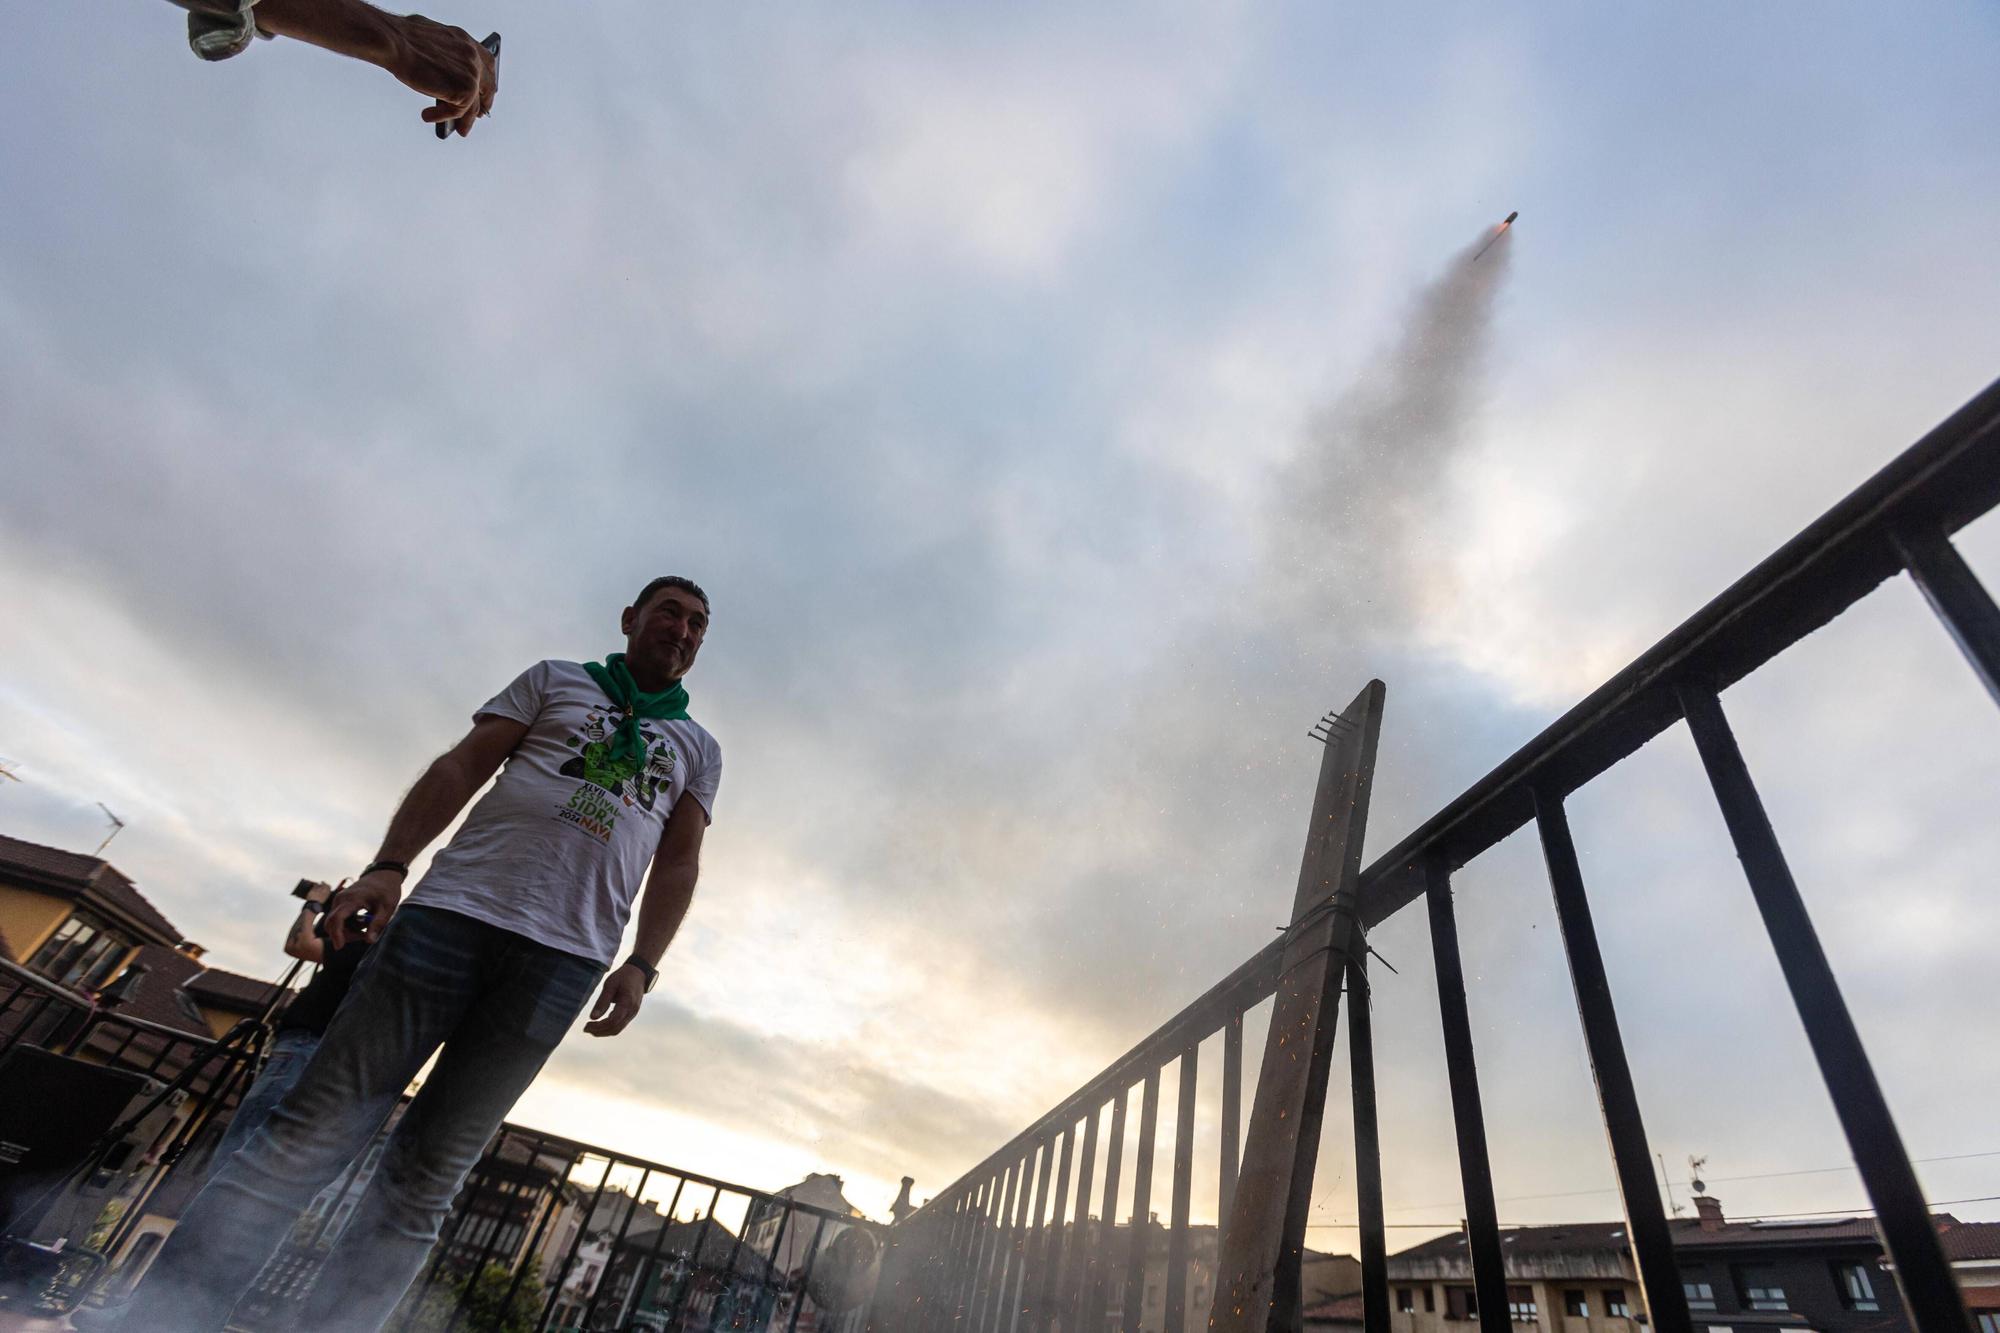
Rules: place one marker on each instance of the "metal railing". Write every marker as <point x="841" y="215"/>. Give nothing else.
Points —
<point x="547" y="1233"/>
<point x="1002" y="1251"/>
<point x="552" y="1233"/>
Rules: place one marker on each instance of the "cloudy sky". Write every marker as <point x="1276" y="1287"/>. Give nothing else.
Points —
<point x="1064" y="405"/>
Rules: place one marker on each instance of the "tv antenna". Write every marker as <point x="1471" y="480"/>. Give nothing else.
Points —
<point x="1695" y="1164"/>
<point x="116" y="825"/>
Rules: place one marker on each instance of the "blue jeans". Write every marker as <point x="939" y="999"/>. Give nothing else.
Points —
<point x="497" y="1002"/>
<point x="290" y="1050"/>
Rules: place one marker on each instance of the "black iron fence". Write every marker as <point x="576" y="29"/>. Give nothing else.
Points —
<point x="1028" y="1240"/>
<point x="548" y="1232"/>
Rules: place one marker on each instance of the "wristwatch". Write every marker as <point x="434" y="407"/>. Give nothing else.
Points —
<point x="646" y="969"/>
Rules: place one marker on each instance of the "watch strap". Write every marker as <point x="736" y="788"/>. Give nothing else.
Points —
<point x="400" y="867"/>
<point x="646" y="969"/>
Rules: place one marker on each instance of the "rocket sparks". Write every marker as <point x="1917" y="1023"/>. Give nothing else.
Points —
<point x="1498" y="232"/>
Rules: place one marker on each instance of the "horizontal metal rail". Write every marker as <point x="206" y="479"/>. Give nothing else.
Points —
<point x="1939" y="484"/>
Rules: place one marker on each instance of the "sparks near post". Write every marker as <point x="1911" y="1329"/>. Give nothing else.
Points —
<point x="1498" y="232"/>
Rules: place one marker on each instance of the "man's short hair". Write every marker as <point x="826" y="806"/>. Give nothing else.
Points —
<point x="670" y="581"/>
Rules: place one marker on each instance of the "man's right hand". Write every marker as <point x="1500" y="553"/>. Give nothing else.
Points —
<point x="444" y="62"/>
<point x="377" y="894"/>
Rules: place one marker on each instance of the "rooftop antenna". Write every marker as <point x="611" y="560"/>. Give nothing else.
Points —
<point x="1695" y="1164"/>
<point x="1667" y="1180"/>
<point x="116" y="824"/>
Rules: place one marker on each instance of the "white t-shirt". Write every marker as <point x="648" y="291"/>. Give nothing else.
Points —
<point x="558" y="849"/>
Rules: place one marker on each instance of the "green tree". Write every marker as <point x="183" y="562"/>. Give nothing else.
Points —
<point x="487" y="1309"/>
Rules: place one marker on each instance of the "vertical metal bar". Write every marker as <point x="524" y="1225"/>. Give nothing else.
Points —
<point x="1367" y="1148"/>
<point x="1070" y="1303"/>
<point x="1482" y="1226"/>
<point x="464" y="1208"/>
<point x="996" y="1260"/>
<point x="1900" y="1210"/>
<point x="575" y="1244"/>
<point x="1177" y="1236"/>
<point x="659" y="1241"/>
<point x="973" y="1297"/>
<point x="34" y="1013"/>
<point x="1052" y="1249"/>
<point x="729" y="1275"/>
<point x="617" y="1244"/>
<point x="805" y="1278"/>
<point x="694" y="1260"/>
<point x="1031" y="1266"/>
<point x="118" y="1052"/>
<point x="1232" y="1115"/>
<point x="547" y="1211"/>
<point x="940" y="1237"/>
<point x="971" y="1251"/>
<point x="1631" y="1155"/>
<point x="1016" y="1254"/>
<point x="777" y="1246"/>
<point x="1142" y="1203"/>
<point x="1097" y="1299"/>
<point x="485" y="1257"/>
<point x="1959" y="599"/>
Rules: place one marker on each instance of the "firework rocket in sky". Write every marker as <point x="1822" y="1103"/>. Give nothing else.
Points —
<point x="1498" y="232"/>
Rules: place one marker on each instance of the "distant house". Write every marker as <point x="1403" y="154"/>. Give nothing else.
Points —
<point x="1973" y="1249"/>
<point x="784" y="1236"/>
<point x="1823" y="1275"/>
<point x="73" y="919"/>
<point x="1572" y="1278"/>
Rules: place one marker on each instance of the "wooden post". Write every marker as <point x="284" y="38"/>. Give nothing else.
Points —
<point x="1258" y="1286"/>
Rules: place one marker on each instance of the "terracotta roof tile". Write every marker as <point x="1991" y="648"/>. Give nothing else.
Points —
<point x="232" y="990"/>
<point x="78" y="875"/>
<point x="160" y="998"/>
<point x="1690" y="1234"/>
<point x="1971" y="1240"/>
<point x="1341" y="1310"/>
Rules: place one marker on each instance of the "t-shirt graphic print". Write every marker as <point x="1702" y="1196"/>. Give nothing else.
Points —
<point x="627" y="779"/>
<point x="558" y="849"/>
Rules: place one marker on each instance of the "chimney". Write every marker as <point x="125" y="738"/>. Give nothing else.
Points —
<point x="1709" y="1210"/>
<point x="902" y="1207"/>
<point x="189" y="949"/>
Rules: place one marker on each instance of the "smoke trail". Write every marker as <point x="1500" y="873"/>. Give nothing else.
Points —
<point x="1349" y="513"/>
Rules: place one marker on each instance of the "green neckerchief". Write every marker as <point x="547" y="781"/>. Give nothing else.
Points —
<point x="615" y="679"/>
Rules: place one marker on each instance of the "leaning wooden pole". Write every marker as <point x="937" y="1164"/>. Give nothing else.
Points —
<point x="1264" y="1234"/>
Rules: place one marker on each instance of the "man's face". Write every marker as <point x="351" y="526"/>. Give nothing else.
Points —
<point x="666" y="631"/>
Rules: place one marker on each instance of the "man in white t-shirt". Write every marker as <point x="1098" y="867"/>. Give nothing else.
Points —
<point x="487" y="963"/>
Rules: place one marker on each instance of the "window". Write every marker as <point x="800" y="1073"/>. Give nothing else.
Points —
<point x="1614" y="1304"/>
<point x="82" y="952"/>
<point x="1989" y="1323"/>
<point x="1760" y="1288"/>
<point x="1576" y="1304"/>
<point x="1701" y="1295"/>
<point x="1857" y="1290"/>
<point x="1521" y="1307"/>
<point x="1460" y="1303"/>
<point x="1431" y="1301"/>
<point x="1406" y="1302"/>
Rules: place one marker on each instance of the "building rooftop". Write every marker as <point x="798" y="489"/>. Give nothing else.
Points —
<point x="1340" y="1310"/>
<point x="75" y="875"/>
<point x="1970" y="1240"/>
<point x="233" y="991"/>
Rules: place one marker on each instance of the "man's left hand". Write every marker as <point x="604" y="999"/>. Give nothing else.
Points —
<point x="618" y="1003"/>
